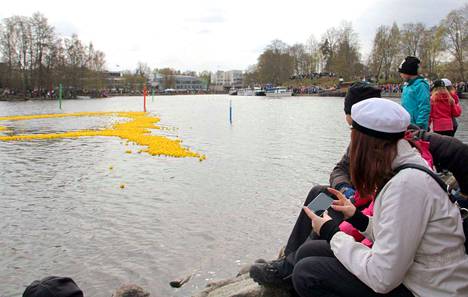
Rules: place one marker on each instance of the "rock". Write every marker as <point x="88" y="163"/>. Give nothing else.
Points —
<point x="240" y="286"/>
<point x="243" y="286"/>
<point x="180" y="282"/>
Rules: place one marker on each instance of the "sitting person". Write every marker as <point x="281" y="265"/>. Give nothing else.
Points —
<point x="418" y="240"/>
<point x="53" y="286"/>
<point x="277" y="272"/>
<point x="448" y="152"/>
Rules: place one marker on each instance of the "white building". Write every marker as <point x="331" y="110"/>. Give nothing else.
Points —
<point x="228" y="79"/>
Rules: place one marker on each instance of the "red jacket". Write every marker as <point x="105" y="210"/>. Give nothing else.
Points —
<point x="442" y="112"/>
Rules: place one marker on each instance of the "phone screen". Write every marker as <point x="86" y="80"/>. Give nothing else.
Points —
<point x="321" y="203"/>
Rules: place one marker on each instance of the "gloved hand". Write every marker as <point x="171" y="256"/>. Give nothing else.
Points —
<point x="347" y="190"/>
<point x="349" y="193"/>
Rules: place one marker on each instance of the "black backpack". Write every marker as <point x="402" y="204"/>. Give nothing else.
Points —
<point x="443" y="185"/>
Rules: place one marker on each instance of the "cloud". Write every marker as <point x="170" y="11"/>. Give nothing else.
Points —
<point x="208" y="19"/>
<point x="428" y="12"/>
<point x="204" y="31"/>
<point x="65" y="28"/>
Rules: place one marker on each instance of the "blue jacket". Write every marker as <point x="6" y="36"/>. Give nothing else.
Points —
<point x="416" y="99"/>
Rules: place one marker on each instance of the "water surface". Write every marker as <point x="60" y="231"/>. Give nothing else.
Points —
<point x="63" y="212"/>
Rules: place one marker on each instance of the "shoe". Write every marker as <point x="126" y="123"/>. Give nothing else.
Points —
<point x="276" y="273"/>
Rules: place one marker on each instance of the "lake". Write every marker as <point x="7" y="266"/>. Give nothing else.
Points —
<point x="64" y="213"/>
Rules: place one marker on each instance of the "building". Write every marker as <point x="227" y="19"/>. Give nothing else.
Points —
<point x="234" y="78"/>
<point x="179" y="83"/>
<point x="189" y="83"/>
<point x="228" y="79"/>
<point x="114" y="79"/>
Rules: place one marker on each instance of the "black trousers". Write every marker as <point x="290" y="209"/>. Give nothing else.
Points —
<point x="316" y="270"/>
<point x="446" y="133"/>
<point x="317" y="273"/>
<point x="302" y="228"/>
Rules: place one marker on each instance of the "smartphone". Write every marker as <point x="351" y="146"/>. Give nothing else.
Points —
<point x="321" y="203"/>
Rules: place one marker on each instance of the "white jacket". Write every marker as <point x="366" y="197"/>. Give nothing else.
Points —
<point x="417" y="233"/>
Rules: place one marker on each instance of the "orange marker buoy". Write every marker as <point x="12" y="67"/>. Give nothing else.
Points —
<point x="144" y="98"/>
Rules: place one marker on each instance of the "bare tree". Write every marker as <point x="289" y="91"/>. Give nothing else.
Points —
<point x="411" y="36"/>
<point x="456" y="37"/>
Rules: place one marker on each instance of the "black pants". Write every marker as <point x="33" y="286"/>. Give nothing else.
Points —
<point x="317" y="273"/>
<point x="316" y="270"/>
<point x="302" y="229"/>
<point x="447" y="133"/>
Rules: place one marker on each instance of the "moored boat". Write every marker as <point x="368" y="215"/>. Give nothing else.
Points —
<point x="256" y="91"/>
<point x="279" y="92"/>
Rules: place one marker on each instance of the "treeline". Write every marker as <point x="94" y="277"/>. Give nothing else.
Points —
<point x="35" y="57"/>
<point x="442" y="49"/>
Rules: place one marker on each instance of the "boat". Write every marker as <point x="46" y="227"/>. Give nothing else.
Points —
<point x="256" y="91"/>
<point x="279" y="92"/>
<point x="259" y="91"/>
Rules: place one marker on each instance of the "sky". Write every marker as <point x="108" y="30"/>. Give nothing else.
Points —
<point x="216" y="34"/>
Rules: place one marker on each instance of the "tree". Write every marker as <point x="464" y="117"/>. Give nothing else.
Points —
<point x="316" y="63"/>
<point x="275" y="64"/>
<point x="168" y="75"/>
<point x="411" y="36"/>
<point x="42" y="40"/>
<point x="431" y="47"/>
<point x="328" y="47"/>
<point x="347" y="54"/>
<point x="456" y="37"/>
<point x="385" y="51"/>
<point x="301" y="59"/>
<point x="37" y="59"/>
<point x="205" y="77"/>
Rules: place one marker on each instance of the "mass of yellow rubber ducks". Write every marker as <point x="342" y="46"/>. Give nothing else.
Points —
<point x="137" y="130"/>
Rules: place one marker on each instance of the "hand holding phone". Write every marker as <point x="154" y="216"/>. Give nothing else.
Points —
<point x="320" y="203"/>
<point x="323" y="203"/>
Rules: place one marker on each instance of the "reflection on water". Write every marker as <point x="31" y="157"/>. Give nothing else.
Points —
<point x="63" y="211"/>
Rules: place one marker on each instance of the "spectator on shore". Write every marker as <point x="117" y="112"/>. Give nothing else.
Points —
<point x="416" y="93"/>
<point x="454" y="94"/>
<point x="443" y="110"/>
<point x="53" y="286"/>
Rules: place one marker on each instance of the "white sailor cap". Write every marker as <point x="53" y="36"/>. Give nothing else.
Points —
<point x="447" y="82"/>
<point x="381" y="118"/>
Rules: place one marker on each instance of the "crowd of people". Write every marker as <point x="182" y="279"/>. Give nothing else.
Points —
<point x="391" y="88"/>
<point x="393" y="228"/>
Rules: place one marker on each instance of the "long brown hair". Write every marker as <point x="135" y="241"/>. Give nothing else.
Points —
<point x="371" y="162"/>
<point x="440" y="94"/>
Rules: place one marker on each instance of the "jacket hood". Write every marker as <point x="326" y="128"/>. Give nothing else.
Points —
<point x="407" y="154"/>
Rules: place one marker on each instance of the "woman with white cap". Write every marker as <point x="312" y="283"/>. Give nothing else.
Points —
<point x="444" y="109"/>
<point x="417" y="231"/>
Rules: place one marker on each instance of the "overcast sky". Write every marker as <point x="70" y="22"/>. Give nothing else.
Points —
<point x="215" y="34"/>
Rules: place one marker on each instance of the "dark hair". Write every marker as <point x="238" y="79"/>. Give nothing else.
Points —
<point x="371" y="162"/>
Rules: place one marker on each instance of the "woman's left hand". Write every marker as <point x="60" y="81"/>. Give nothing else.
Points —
<point x="317" y="221"/>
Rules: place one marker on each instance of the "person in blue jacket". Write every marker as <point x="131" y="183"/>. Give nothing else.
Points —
<point x="416" y="93"/>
